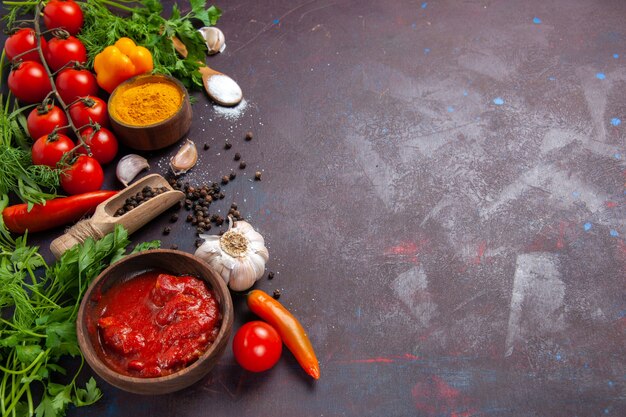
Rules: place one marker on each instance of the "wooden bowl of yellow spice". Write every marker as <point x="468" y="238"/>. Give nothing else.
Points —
<point x="150" y="112"/>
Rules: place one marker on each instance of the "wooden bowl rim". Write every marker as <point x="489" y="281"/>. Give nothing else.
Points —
<point x="100" y="367"/>
<point x="183" y="104"/>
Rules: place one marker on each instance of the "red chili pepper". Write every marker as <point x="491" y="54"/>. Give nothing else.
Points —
<point x="289" y="328"/>
<point x="54" y="213"/>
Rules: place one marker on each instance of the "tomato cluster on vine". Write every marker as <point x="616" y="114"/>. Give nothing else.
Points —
<point x="52" y="73"/>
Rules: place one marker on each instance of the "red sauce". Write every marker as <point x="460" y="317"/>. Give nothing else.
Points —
<point x="155" y="324"/>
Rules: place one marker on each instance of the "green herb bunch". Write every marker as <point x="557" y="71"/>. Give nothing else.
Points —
<point x="148" y="28"/>
<point x="39" y="305"/>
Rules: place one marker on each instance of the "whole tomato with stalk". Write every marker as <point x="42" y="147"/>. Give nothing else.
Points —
<point x="61" y="14"/>
<point x="102" y="143"/>
<point x="90" y="109"/>
<point x="75" y="82"/>
<point x="45" y="118"/>
<point x="64" y="49"/>
<point x="18" y="45"/>
<point x="29" y="82"/>
<point x="49" y="149"/>
<point x="83" y="174"/>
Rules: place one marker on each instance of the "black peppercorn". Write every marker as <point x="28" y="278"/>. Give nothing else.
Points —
<point x="167" y="230"/>
<point x="237" y="156"/>
<point x="270" y="275"/>
<point x="174" y="246"/>
<point x="257" y="176"/>
<point x="276" y="294"/>
<point x="227" y="145"/>
<point x="199" y="242"/>
<point x="206" y="146"/>
<point x="232" y="175"/>
<point x="242" y="165"/>
<point x="249" y="136"/>
<point x="189" y="217"/>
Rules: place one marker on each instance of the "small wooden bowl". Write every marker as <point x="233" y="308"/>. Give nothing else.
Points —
<point x="158" y="135"/>
<point x="170" y="261"/>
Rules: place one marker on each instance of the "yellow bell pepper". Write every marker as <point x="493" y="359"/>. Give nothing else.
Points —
<point x="118" y="62"/>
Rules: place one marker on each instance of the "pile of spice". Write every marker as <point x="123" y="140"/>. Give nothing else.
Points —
<point x="198" y="200"/>
<point x="146" y="194"/>
<point x="143" y="104"/>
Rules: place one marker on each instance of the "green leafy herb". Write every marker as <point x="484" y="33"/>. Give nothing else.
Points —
<point x="148" y="28"/>
<point x="38" y="306"/>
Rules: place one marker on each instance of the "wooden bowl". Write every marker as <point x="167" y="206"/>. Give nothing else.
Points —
<point x="157" y="135"/>
<point x="170" y="261"/>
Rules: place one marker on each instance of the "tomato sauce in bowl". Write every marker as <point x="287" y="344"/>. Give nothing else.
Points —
<point x="155" y="324"/>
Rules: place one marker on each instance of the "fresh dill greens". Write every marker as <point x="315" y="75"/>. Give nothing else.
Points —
<point x="148" y="28"/>
<point x="39" y="306"/>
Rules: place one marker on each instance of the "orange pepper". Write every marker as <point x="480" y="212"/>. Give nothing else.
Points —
<point x="118" y="62"/>
<point x="288" y="327"/>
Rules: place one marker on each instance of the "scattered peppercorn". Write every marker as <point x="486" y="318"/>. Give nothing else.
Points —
<point x="232" y="175"/>
<point x="227" y="145"/>
<point x="237" y="156"/>
<point x="174" y="246"/>
<point x="225" y="179"/>
<point x="242" y="165"/>
<point x="270" y="275"/>
<point x="249" y="136"/>
<point x="206" y="146"/>
<point x="167" y="230"/>
<point x="276" y="294"/>
<point x="257" y="176"/>
<point x="174" y="218"/>
<point x="199" y="242"/>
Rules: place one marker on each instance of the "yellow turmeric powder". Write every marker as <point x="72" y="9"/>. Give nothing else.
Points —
<point x="146" y="104"/>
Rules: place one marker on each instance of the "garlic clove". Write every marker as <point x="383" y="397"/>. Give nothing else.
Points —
<point x="185" y="158"/>
<point x="129" y="166"/>
<point x="243" y="274"/>
<point x="214" y="39"/>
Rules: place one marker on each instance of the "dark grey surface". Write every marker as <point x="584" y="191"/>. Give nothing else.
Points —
<point x="449" y="256"/>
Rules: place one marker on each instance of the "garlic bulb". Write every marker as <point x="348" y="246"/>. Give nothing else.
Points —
<point x="239" y="255"/>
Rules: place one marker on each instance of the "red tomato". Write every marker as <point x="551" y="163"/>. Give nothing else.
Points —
<point x="63" y="14"/>
<point x="22" y="41"/>
<point x="62" y="51"/>
<point x="73" y="83"/>
<point x="102" y="143"/>
<point x="29" y="82"/>
<point x="83" y="176"/>
<point x="257" y="346"/>
<point x="44" y="118"/>
<point x="90" y="108"/>
<point x="49" y="149"/>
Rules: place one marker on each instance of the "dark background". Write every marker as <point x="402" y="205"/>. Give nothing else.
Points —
<point x="443" y="202"/>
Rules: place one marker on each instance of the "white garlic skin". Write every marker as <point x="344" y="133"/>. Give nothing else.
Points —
<point x="214" y="39"/>
<point x="129" y="167"/>
<point x="239" y="272"/>
<point x="185" y="158"/>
